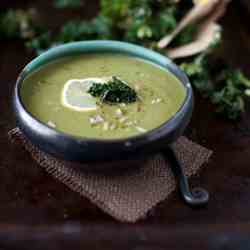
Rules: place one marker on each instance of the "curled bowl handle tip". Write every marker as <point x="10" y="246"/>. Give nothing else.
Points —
<point x="198" y="196"/>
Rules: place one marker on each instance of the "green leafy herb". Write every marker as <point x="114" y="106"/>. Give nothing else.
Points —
<point x="143" y="22"/>
<point x="9" y="20"/>
<point x="98" y="28"/>
<point x="197" y="70"/>
<point x="228" y="92"/>
<point x="60" y="4"/>
<point x="40" y="43"/>
<point x="140" y="21"/>
<point x="114" y="91"/>
<point x="82" y="30"/>
<point x="232" y="86"/>
<point x="17" y="24"/>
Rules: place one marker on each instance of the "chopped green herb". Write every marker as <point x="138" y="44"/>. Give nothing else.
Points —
<point x="143" y="22"/>
<point x="114" y="91"/>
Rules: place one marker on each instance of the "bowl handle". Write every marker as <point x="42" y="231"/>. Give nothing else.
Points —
<point x="198" y="196"/>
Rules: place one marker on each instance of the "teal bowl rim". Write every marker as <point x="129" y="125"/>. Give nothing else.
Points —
<point x="102" y="46"/>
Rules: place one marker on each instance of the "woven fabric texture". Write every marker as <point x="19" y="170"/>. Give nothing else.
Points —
<point x="127" y="196"/>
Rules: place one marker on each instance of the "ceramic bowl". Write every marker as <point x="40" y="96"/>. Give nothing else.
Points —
<point x="81" y="149"/>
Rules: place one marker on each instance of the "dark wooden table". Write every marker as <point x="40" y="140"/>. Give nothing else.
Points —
<point x="36" y="212"/>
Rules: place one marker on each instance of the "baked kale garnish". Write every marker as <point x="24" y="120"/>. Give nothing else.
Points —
<point x="114" y="91"/>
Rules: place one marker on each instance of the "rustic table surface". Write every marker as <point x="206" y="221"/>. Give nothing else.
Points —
<point x="36" y="212"/>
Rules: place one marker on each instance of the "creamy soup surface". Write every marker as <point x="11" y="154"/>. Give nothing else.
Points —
<point x="160" y="95"/>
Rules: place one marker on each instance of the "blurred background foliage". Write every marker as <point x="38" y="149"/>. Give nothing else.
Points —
<point x="143" y="22"/>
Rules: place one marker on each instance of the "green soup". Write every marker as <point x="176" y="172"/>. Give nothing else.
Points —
<point x="160" y="96"/>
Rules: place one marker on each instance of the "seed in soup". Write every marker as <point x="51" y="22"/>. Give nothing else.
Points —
<point x="103" y="96"/>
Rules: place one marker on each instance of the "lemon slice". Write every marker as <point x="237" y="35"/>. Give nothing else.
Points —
<point x="75" y="94"/>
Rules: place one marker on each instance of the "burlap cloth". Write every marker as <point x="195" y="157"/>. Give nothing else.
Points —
<point x="130" y="195"/>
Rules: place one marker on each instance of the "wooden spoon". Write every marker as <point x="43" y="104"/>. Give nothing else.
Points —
<point x="199" y="11"/>
<point x="205" y="35"/>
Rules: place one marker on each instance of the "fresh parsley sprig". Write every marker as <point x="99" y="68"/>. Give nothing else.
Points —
<point x="114" y="91"/>
<point x="142" y="22"/>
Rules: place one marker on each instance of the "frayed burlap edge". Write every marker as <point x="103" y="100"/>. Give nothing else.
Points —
<point x="120" y="205"/>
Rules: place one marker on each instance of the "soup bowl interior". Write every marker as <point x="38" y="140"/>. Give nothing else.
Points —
<point x="80" y="149"/>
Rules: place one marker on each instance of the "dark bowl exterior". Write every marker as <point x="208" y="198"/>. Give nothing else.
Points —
<point x="94" y="150"/>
